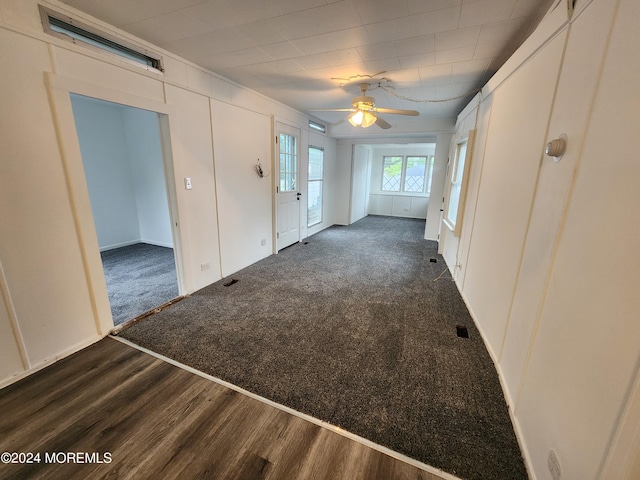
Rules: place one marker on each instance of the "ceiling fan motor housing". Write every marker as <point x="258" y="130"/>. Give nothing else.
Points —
<point x="363" y="103"/>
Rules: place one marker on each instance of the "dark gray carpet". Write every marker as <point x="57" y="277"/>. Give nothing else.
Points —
<point x="353" y="328"/>
<point x="139" y="278"/>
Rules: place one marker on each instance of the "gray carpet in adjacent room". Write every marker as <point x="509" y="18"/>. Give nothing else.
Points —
<point x="357" y="327"/>
<point x="139" y="278"/>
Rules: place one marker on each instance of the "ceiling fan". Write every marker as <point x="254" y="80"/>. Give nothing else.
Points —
<point x="364" y="112"/>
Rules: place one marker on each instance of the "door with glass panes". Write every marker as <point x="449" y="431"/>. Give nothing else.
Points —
<point x="287" y="188"/>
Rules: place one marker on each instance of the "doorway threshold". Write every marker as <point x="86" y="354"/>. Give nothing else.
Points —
<point x="118" y="328"/>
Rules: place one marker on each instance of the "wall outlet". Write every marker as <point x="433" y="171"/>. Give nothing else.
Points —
<point x="554" y="465"/>
<point x="205" y="266"/>
<point x="263" y="242"/>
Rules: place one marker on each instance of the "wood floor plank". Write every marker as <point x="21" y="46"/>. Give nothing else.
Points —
<point x="156" y="420"/>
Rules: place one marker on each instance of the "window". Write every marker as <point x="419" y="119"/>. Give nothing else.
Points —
<point x="319" y="127"/>
<point x="69" y="29"/>
<point x="392" y="174"/>
<point x="457" y="183"/>
<point x="409" y="174"/>
<point x="314" y="196"/>
<point x="288" y="163"/>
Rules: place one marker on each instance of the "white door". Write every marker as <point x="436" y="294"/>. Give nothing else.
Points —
<point x="288" y="189"/>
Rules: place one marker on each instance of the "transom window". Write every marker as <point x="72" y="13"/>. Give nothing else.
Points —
<point x="69" y="29"/>
<point x="409" y="173"/>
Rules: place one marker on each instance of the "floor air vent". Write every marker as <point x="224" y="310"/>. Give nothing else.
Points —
<point x="462" y="331"/>
<point x="230" y="282"/>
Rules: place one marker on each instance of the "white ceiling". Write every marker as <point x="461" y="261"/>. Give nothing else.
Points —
<point x="292" y="50"/>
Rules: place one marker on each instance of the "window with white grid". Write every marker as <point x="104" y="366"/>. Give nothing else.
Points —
<point x="409" y="174"/>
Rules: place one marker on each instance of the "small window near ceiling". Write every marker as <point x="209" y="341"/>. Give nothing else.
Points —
<point x="318" y="127"/>
<point x="71" y="30"/>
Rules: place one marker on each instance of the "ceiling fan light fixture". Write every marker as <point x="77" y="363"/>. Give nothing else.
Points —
<point x="368" y="119"/>
<point x="362" y="118"/>
<point x="356" y="118"/>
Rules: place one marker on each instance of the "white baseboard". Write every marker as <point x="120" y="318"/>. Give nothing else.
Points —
<point x="118" y="245"/>
<point x="133" y="242"/>
<point x="49" y="361"/>
<point x="157" y="244"/>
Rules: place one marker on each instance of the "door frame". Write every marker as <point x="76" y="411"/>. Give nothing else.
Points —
<point x="276" y="124"/>
<point x="60" y="89"/>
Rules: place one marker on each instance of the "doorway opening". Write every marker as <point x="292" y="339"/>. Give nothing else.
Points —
<point x="391" y="180"/>
<point x="122" y="155"/>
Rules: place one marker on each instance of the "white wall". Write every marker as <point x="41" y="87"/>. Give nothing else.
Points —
<point x="512" y="158"/>
<point x="123" y="164"/>
<point x="342" y="192"/>
<point x="246" y="221"/>
<point x="360" y="181"/>
<point x="142" y="135"/>
<point x="545" y="258"/>
<point x="39" y="247"/>
<point x="43" y="191"/>
<point x="12" y="360"/>
<point x="109" y="171"/>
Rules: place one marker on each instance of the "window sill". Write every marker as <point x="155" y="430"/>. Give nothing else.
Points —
<point x="401" y="194"/>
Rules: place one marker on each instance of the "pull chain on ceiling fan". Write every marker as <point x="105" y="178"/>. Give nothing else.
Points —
<point x="364" y="112"/>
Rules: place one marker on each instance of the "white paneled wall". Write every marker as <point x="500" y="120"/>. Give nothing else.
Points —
<point x="546" y="256"/>
<point x="10" y="342"/>
<point x="39" y="246"/>
<point x="245" y="223"/>
<point x="398" y="205"/>
<point x="512" y="157"/>
<point x="212" y="130"/>
<point x="191" y="143"/>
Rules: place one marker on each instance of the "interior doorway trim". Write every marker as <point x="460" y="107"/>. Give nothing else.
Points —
<point x="60" y="88"/>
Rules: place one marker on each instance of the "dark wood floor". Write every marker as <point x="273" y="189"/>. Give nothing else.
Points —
<point x="155" y="420"/>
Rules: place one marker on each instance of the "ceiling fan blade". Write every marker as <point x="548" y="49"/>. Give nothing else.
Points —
<point x="382" y="123"/>
<point x="332" y="110"/>
<point x="396" y="111"/>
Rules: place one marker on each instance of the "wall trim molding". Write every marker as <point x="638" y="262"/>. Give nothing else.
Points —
<point x="48" y="361"/>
